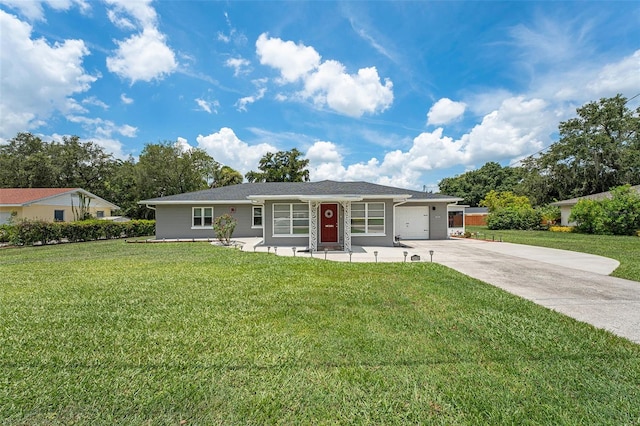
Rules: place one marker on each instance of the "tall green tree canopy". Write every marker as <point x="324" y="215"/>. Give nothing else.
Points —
<point x="166" y="169"/>
<point x="474" y="185"/>
<point x="597" y="150"/>
<point x="283" y="166"/>
<point x="225" y="176"/>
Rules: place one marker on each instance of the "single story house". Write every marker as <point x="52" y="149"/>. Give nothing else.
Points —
<point x="307" y="214"/>
<point x="50" y="204"/>
<point x="567" y="205"/>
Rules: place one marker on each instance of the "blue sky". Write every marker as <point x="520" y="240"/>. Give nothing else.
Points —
<point x="397" y="93"/>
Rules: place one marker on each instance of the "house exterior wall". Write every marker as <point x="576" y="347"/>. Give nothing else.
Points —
<point x="175" y="221"/>
<point x="46" y="212"/>
<point x="438" y="222"/>
<point x="378" y="240"/>
<point x="565" y="212"/>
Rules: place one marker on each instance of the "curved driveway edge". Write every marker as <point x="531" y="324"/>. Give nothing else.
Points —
<point x="575" y="284"/>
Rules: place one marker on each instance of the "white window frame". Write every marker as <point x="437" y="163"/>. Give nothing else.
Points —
<point x="291" y="219"/>
<point x="366" y="218"/>
<point x="100" y="214"/>
<point x="254" y="216"/>
<point x="203" y="217"/>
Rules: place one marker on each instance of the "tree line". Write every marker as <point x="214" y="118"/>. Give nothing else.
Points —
<point x="597" y="150"/>
<point x="162" y="169"/>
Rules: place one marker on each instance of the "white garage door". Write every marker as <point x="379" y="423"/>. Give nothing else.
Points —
<point x="412" y="223"/>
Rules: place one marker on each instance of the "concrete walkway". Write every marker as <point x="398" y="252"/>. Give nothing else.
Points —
<point x="575" y="284"/>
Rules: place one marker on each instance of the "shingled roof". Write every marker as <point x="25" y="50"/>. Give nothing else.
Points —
<point x="242" y="191"/>
<point x="21" y="196"/>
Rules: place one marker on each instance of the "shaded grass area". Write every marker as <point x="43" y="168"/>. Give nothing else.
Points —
<point x="108" y="332"/>
<point x="625" y="249"/>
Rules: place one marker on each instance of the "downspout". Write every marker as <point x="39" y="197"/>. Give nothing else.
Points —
<point x="149" y="207"/>
<point x="394" y="219"/>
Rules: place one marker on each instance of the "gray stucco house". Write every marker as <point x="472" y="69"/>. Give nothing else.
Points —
<point x="312" y="214"/>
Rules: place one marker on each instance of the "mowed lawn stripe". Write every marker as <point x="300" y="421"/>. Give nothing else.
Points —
<point x="105" y="332"/>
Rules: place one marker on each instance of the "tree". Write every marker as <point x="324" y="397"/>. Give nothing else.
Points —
<point x="597" y="150"/>
<point x="474" y="185"/>
<point x="283" y="166"/>
<point x="25" y="162"/>
<point x="500" y="200"/>
<point x="165" y="169"/>
<point x="225" y="176"/>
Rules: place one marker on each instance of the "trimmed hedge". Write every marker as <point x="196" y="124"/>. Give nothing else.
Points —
<point x="30" y="232"/>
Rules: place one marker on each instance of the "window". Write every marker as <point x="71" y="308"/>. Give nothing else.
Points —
<point x="58" y="215"/>
<point x="456" y="219"/>
<point x="291" y="219"/>
<point x="367" y="218"/>
<point x="202" y="217"/>
<point x="257" y="217"/>
<point x="100" y="213"/>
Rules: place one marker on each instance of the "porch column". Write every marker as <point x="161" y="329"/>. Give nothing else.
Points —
<point x="346" y="207"/>
<point x="313" y="225"/>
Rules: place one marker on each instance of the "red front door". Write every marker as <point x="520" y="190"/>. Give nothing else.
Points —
<point x="329" y="223"/>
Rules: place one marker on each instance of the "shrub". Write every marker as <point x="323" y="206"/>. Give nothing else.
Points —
<point x="561" y="228"/>
<point x="514" y="218"/>
<point x="619" y="215"/>
<point x="29" y="232"/>
<point x="224" y="226"/>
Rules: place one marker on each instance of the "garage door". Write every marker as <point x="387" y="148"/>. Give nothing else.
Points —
<point x="412" y="223"/>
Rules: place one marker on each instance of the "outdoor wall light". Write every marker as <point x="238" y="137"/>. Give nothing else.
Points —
<point x="431" y="254"/>
<point x="405" y="253"/>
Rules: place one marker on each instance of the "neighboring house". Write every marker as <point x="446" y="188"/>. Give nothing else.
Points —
<point x="476" y="216"/>
<point x="50" y="204"/>
<point x="567" y="205"/>
<point x="307" y="214"/>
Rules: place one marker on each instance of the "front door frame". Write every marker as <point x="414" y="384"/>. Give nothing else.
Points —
<point x="329" y="223"/>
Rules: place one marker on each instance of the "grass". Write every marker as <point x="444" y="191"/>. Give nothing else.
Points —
<point x="624" y="249"/>
<point x="109" y="332"/>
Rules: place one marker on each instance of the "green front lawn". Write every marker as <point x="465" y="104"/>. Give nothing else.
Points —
<point x="110" y="332"/>
<point x="625" y="250"/>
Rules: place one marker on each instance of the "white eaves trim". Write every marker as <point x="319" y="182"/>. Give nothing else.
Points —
<point x="196" y="202"/>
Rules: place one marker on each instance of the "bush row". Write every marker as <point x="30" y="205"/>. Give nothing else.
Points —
<point x="523" y="218"/>
<point x="29" y="232"/>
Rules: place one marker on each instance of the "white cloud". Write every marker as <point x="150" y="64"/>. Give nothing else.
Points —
<point x="242" y="103"/>
<point x="144" y="56"/>
<point x="445" y="111"/>
<point x="239" y="65"/>
<point x="57" y="68"/>
<point x="183" y="144"/>
<point x="326" y="83"/>
<point x="292" y="60"/>
<point x="92" y="100"/>
<point x="517" y="128"/>
<point x="125" y="99"/>
<point x="33" y="10"/>
<point x="619" y="77"/>
<point x="226" y="148"/>
<point x="208" y="106"/>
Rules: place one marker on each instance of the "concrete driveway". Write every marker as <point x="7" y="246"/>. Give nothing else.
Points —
<point x="575" y="284"/>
